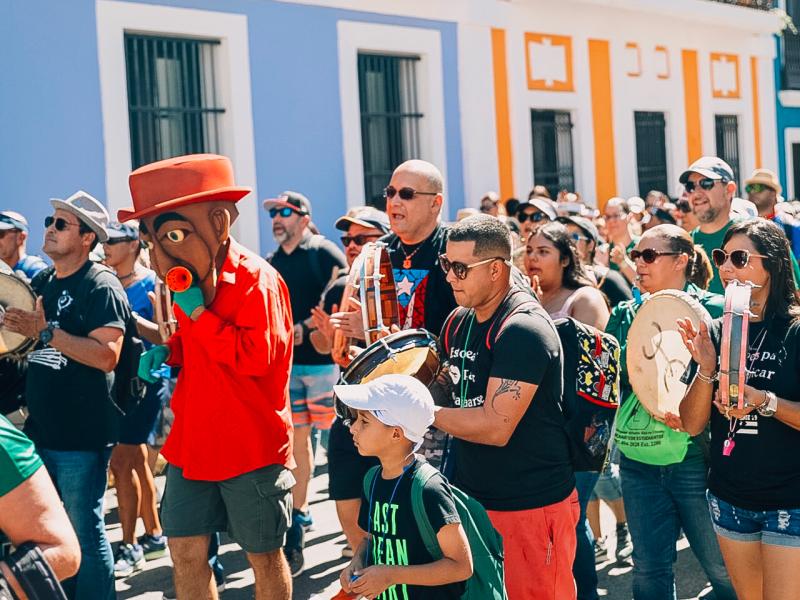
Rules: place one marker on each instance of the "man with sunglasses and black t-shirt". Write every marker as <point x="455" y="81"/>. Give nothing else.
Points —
<point x="500" y="393"/>
<point x="536" y="211"/>
<point x="711" y="187"/>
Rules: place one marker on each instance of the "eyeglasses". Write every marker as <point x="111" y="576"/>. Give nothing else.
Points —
<point x="577" y="237"/>
<point x="706" y="183"/>
<point x="615" y="217"/>
<point x="461" y="270"/>
<point x="756" y="188"/>
<point x="649" y="255"/>
<point x="535" y="217"/>
<point x="360" y="239"/>
<point x="60" y="224"/>
<point x="739" y="258"/>
<point x="115" y="241"/>
<point x="285" y="212"/>
<point x="405" y="193"/>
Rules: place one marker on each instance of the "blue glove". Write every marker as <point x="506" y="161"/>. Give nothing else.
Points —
<point x="190" y="300"/>
<point x="151" y="360"/>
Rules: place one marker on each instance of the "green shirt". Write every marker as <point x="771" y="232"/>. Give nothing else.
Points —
<point x="614" y="266"/>
<point x="619" y="323"/>
<point x="18" y="459"/>
<point x="709" y="241"/>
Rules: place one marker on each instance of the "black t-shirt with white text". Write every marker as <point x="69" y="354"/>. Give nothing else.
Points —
<point x="387" y="516"/>
<point x="69" y="402"/>
<point x="307" y="276"/>
<point x="423" y="294"/>
<point x="534" y="468"/>
<point x="763" y="470"/>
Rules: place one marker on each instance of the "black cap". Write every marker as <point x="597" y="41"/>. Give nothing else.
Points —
<point x="293" y="200"/>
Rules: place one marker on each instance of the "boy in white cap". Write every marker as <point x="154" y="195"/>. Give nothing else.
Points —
<point x="390" y="416"/>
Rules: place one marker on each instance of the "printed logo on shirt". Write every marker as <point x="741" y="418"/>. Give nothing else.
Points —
<point x="411" y="285"/>
<point x="64" y="302"/>
<point x="460" y="357"/>
<point x="48" y="357"/>
<point x="387" y="547"/>
<point x="769" y="364"/>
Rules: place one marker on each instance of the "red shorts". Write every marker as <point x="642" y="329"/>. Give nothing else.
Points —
<point x="539" y="546"/>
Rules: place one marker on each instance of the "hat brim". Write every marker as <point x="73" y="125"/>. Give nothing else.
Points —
<point x="9" y="226"/>
<point x="343" y="224"/>
<point x="224" y="194"/>
<point x="540" y="206"/>
<point x="99" y="230"/>
<point x="277" y="203"/>
<point x="700" y="171"/>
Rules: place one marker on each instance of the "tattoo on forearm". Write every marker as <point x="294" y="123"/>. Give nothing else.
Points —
<point x="507" y="386"/>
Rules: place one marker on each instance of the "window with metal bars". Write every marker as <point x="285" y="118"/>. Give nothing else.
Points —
<point x="172" y="97"/>
<point x="651" y="151"/>
<point x="553" y="165"/>
<point x="390" y="118"/>
<point x="727" y="133"/>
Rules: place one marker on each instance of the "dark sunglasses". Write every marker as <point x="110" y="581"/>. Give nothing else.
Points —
<point x="360" y="239"/>
<point x="756" y="188"/>
<point x="461" y="270"/>
<point x="739" y="258"/>
<point x="405" y="193"/>
<point x="684" y="207"/>
<point x="60" y="224"/>
<point x="649" y="255"/>
<point x="285" y="212"/>
<point x="115" y="241"/>
<point x="706" y="183"/>
<point x="534" y="217"/>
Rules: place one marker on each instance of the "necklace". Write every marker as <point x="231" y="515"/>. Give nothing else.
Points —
<point x="408" y="257"/>
<point x="128" y="276"/>
<point x="729" y="443"/>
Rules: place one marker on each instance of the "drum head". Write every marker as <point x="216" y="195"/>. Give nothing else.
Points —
<point x="656" y="357"/>
<point x="14" y="293"/>
<point x="413" y="352"/>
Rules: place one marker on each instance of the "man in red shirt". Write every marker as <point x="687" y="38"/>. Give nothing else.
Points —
<point x="230" y="450"/>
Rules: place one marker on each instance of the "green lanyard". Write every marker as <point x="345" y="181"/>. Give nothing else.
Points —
<point x="463" y="386"/>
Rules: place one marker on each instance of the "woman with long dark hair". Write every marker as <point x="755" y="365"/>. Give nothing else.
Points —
<point x="754" y="481"/>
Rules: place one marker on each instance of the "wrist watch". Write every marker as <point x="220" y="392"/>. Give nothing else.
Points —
<point x="770" y="406"/>
<point x="46" y="334"/>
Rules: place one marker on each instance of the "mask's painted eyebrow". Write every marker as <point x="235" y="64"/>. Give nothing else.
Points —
<point x="170" y="216"/>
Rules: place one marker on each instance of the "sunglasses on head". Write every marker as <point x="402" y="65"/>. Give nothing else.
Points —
<point x="461" y="270"/>
<point x="739" y="258"/>
<point x="756" y="188"/>
<point x="534" y="217"/>
<point x="59" y="223"/>
<point x="285" y="212"/>
<point x="706" y="183"/>
<point x="649" y="255"/>
<point x="405" y="193"/>
<point x="360" y="239"/>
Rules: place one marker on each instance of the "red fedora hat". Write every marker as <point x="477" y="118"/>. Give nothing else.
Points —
<point x="178" y="181"/>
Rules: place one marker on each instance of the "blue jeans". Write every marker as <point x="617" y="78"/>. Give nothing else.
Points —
<point x="80" y="478"/>
<point x="583" y="569"/>
<point x="659" y="501"/>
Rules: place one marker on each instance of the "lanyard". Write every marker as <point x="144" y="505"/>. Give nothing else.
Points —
<point x="463" y="383"/>
<point x="371" y="498"/>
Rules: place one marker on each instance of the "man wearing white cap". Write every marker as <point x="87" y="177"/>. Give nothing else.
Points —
<point x="13" y="240"/>
<point x="389" y="418"/>
<point x="79" y="322"/>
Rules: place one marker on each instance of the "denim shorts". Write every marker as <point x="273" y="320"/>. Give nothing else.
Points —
<point x="772" y="527"/>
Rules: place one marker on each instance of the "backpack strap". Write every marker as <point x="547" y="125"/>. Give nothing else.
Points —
<point x="449" y="323"/>
<point x="497" y="328"/>
<point x="421" y="476"/>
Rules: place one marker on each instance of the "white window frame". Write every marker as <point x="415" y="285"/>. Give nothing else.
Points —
<point x="232" y="66"/>
<point x="355" y="37"/>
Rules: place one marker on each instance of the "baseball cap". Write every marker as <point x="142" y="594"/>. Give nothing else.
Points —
<point x="123" y="231"/>
<point x="743" y="208"/>
<point x="543" y="204"/>
<point x="395" y="400"/>
<point x="294" y="200"/>
<point x="12" y="220"/>
<point x="585" y="225"/>
<point x="712" y="167"/>
<point x="764" y="177"/>
<point x="366" y="216"/>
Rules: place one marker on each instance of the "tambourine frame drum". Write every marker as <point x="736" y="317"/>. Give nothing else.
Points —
<point x="14" y="292"/>
<point x="412" y="352"/>
<point x="657" y="358"/>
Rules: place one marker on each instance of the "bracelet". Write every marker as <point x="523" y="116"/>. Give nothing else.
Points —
<point x="714" y="377"/>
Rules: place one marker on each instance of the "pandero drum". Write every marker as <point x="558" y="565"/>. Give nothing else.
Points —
<point x="733" y="350"/>
<point x="14" y="292"/>
<point x="657" y="359"/>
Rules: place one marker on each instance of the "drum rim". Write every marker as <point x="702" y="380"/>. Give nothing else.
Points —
<point x="27" y="344"/>
<point x="422" y="334"/>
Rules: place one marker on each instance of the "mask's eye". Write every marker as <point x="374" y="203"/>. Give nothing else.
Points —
<point x="176" y="235"/>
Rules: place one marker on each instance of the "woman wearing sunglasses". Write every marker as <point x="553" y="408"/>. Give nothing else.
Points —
<point x="663" y="497"/>
<point x="754" y="482"/>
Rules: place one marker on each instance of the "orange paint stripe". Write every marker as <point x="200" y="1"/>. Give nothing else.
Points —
<point x="501" y="114"/>
<point x="691" y="102"/>
<point x="756" y="113"/>
<point x="602" y="106"/>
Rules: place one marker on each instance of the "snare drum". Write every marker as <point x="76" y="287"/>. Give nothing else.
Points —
<point x="412" y="352"/>
<point x="14" y="292"/>
<point x="657" y="359"/>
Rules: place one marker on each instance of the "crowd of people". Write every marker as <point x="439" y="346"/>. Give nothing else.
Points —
<point x="229" y="370"/>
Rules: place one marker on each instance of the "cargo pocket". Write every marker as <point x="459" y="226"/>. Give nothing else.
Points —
<point x="275" y="505"/>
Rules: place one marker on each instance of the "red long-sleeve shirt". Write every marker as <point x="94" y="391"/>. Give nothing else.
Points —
<point x="231" y="402"/>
